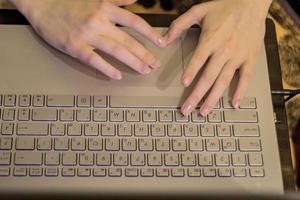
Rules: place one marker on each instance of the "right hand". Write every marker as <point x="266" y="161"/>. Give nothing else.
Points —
<point x="78" y="27"/>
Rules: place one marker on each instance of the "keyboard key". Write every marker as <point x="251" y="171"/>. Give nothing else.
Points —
<point x="165" y="115"/>
<point x="196" y="144"/>
<point x="7" y="128"/>
<point x="83" y="172"/>
<point x="239" y="172"/>
<point x="4" y="171"/>
<point x="129" y="144"/>
<point x="86" y="159"/>
<point x="91" y="129"/>
<point x="68" y="171"/>
<point x="162" y="144"/>
<point x="149" y="116"/>
<point x="222" y="159"/>
<point x="147" y="172"/>
<point x="95" y="144"/>
<point x="116" y="115"/>
<point x="249" y="144"/>
<point x="125" y="130"/>
<point x="84" y="101"/>
<point x="28" y="158"/>
<point x="24" y="100"/>
<point x="61" y="144"/>
<point x="44" y="143"/>
<point x="179" y="144"/>
<point x="188" y="159"/>
<point x="157" y="130"/>
<point x="5" y="158"/>
<point x="20" y="171"/>
<point x="207" y="130"/>
<point x="112" y="144"/>
<point x="38" y="100"/>
<point x="74" y="129"/>
<point x="144" y="101"/>
<point x="78" y="144"/>
<point x="255" y="159"/>
<point x="141" y="130"/>
<point x="179" y="117"/>
<point x="238" y="159"/>
<point x="99" y="115"/>
<point x="69" y="158"/>
<point x="120" y="159"/>
<point x="171" y="159"/>
<point x="32" y="129"/>
<point x="257" y="172"/>
<point x="209" y="172"/>
<point x="99" y="172"/>
<point x="246" y="130"/>
<point x="194" y="172"/>
<point x="177" y="172"/>
<point x="145" y="144"/>
<point x="229" y="144"/>
<point x="40" y="114"/>
<point x="214" y="116"/>
<point x="8" y="114"/>
<point x="174" y="130"/>
<point x="131" y="172"/>
<point x="51" y="171"/>
<point x="248" y="103"/>
<point x="104" y="159"/>
<point x="224" y="172"/>
<point x="162" y="172"/>
<point x="36" y="171"/>
<point x="137" y="159"/>
<point x="205" y="159"/>
<point x="83" y="115"/>
<point x="66" y="115"/>
<point x="212" y="144"/>
<point x="190" y="130"/>
<point x="52" y="158"/>
<point x="115" y="172"/>
<point x="197" y="117"/>
<point x="26" y="143"/>
<point x="6" y="143"/>
<point x="223" y="130"/>
<point x="108" y="130"/>
<point x="238" y="116"/>
<point x="132" y="115"/>
<point x="23" y="114"/>
<point x="60" y="101"/>
<point x="100" y="101"/>
<point x="9" y="100"/>
<point x="154" y="159"/>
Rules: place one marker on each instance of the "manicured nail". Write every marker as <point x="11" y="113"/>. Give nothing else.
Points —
<point x="186" y="109"/>
<point x="204" y="111"/>
<point x="161" y="41"/>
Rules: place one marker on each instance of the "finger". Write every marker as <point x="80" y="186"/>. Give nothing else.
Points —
<point x="123" y="2"/>
<point x="205" y="82"/>
<point x="184" y="22"/>
<point x="88" y="56"/>
<point x="121" y="53"/>
<point x="219" y="87"/>
<point x="128" y="19"/>
<point x="134" y="47"/>
<point x="245" y="74"/>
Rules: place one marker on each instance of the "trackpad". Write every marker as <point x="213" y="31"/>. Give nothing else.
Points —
<point x="167" y="76"/>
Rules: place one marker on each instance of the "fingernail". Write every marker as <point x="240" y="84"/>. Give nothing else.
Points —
<point x="204" y="111"/>
<point x="160" y="41"/>
<point x="146" y="70"/>
<point x="186" y="109"/>
<point x="186" y="82"/>
<point x="236" y="104"/>
<point x="117" y="76"/>
<point x="156" y="63"/>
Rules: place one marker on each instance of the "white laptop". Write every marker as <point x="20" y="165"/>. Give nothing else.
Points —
<point x="67" y="129"/>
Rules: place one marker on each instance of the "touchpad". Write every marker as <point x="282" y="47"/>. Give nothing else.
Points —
<point x="168" y="75"/>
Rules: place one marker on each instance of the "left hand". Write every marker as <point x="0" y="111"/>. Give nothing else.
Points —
<point x="232" y="34"/>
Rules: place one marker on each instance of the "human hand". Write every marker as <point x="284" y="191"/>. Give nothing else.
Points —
<point x="79" y="27"/>
<point x="231" y="36"/>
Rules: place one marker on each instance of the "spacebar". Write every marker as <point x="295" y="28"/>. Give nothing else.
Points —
<point x="144" y="101"/>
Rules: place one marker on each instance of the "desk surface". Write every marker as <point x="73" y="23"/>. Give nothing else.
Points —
<point x="14" y="17"/>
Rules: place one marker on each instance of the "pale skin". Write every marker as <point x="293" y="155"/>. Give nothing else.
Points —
<point x="232" y="34"/>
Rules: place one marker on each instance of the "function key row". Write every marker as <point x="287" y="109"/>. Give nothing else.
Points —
<point x="54" y="101"/>
<point x="102" y="101"/>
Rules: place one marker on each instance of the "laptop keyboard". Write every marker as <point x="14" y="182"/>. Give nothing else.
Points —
<point x="102" y="136"/>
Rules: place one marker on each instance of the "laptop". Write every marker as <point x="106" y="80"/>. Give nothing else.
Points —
<point x="67" y="129"/>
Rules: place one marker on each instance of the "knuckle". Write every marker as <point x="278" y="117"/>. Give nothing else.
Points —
<point x="148" y="57"/>
<point x="115" y="49"/>
<point x="69" y="45"/>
